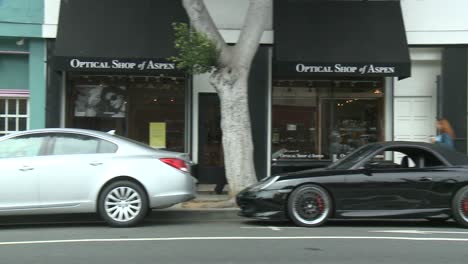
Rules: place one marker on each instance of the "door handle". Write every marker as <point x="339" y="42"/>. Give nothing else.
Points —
<point x="95" y="163"/>
<point x="425" y="179"/>
<point x="26" y="168"/>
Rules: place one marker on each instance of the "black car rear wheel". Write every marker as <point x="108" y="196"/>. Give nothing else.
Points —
<point x="460" y="207"/>
<point x="309" y="206"/>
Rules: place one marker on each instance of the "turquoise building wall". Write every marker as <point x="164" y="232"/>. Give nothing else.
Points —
<point x="23" y="53"/>
<point x="21" y="18"/>
<point x="37" y="83"/>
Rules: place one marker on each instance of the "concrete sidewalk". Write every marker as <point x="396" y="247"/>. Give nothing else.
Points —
<point x="207" y="201"/>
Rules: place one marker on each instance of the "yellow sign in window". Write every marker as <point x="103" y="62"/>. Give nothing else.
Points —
<point x="157" y="134"/>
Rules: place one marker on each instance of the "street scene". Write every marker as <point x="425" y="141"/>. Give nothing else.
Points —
<point x="221" y="131"/>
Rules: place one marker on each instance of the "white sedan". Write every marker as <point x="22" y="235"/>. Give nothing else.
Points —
<point x="55" y="171"/>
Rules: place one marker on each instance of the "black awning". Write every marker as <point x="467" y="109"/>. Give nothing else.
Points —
<point x="342" y="38"/>
<point x="117" y="35"/>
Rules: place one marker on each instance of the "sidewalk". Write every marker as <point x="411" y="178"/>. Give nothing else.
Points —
<point x="204" y="207"/>
<point x="205" y="201"/>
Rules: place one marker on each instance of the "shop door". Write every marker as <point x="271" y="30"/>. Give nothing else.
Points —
<point x="414" y="119"/>
<point x="210" y="152"/>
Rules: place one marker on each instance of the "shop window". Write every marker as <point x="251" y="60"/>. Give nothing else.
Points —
<point x="14" y="114"/>
<point x="325" y="119"/>
<point x="148" y="109"/>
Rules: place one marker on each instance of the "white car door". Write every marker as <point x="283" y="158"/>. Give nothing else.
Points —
<point x="76" y="165"/>
<point x="19" y="181"/>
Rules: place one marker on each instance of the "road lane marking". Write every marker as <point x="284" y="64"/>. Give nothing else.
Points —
<point x="155" y="239"/>
<point x="422" y="232"/>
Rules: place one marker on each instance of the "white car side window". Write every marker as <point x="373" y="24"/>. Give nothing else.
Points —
<point x="25" y="146"/>
<point x="75" y="144"/>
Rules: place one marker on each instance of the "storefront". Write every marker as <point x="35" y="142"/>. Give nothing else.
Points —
<point x="115" y="72"/>
<point x="333" y="70"/>
<point x="321" y="89"/>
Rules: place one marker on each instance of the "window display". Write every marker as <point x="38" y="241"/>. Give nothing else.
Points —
<point x="100" y="101"/>
<point x="325" y="119"/>
<point x="130" y="105"/>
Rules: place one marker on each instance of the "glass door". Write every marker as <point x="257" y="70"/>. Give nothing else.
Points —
<point x="348" y="123"/>
<point x="210" y="148"/>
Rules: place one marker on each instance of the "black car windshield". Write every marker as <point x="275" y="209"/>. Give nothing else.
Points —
<point x="354" y="157"/>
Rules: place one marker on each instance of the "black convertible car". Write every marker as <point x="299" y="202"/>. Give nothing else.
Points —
<point x="380" y="180"/>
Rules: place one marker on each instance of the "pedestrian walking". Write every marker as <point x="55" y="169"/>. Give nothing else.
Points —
<point x="446" y="135"/>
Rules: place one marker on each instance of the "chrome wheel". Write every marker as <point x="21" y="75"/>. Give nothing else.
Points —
<point x="311" y="206"/>
<point x="463" y="207"/>
<point x="123" y="204"/>
<point x="460" y="207"/>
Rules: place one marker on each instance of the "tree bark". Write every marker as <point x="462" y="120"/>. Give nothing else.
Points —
<point x="231" y="83"/>
<point x="236" y="127"/>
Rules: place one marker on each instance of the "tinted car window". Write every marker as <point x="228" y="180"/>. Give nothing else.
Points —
<point x="107" y="147"/>
<point x="393" y="159"/>
<point x="23" y="146"/>
<point x="356" y="156"/>
<point x="405" y="157"/>
<point x="70" y="144"/>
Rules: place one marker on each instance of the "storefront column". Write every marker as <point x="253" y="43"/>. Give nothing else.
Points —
<point x="454" y="92"/>
<point x="63" y="99"/>
<point x="37" y="83"/>
<point x="188" y="114"/>
<point x="269" y="111"/>
<point x="259" y="86"/>
<point x="389" y="84"/>
<point x="54" y="89"/>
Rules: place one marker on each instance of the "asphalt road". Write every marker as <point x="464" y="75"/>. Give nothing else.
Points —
<point x="221" y="237"/>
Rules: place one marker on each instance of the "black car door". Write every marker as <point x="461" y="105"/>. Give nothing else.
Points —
<point x="386" y="189"/>
<point x="446" y="181"/>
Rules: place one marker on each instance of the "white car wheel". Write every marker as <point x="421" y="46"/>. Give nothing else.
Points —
<point x="123" y="204"/>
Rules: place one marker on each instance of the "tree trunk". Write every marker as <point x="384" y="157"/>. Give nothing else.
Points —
<point x="231" y="81"/>
<point x="236" y="128"/>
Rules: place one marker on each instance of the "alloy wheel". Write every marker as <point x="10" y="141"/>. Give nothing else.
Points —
<point x="463" y="208"/>
<point x="311" y="206"/>
<point x="123" y="204"/>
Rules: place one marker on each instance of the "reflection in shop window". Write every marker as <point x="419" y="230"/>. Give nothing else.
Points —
<point x="14" y="115"/>
<point x="325" y="119"/>
<point x="143" y="108"/>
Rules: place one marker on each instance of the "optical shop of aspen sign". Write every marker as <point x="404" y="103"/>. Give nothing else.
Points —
<point x="135" y="65"/>
<point x="340" y="68"/>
